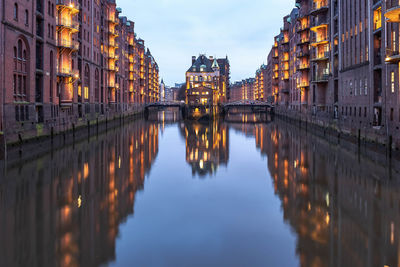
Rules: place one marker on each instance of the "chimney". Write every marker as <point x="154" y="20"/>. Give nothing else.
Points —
<point x="193" y="59"/>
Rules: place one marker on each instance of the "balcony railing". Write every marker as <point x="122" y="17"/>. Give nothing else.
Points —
<point x="319" y="22"/>
<point x="68" y="23"/>
<point x="320" y="56"/>
<point x="319" y="6"/>
<point x="70" y="4"/>
<point x="304" y="40"/>
<point x="321" y="39"/>
<point x="112" y="32"/>
<point x="303" y="84"/>
<point x="302" y="27"/>
<point x="320" y="77"/>
<point x="113" y="56"/>
<point x="67" y="72"/>
<point x="113" y="43"/>
<point x="113" y="19"/>
<point x="303" y="53"/>
<point x="392" y="56"/>
<point x="303" y="66"/>
<point x="392" y="11"/>
<point x="74" y="45"/>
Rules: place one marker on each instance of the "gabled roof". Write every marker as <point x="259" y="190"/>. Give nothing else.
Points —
<point x="201" y="62"/>
<point x="215" y="64"/>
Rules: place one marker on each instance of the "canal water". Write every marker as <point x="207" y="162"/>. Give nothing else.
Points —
<point x="164" y="192"/>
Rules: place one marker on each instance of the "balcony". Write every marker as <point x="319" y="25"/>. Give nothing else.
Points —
<point x="68" y="4"/>
<point x="304" y="66"/>
<point x="303" y="54"/>
<point x="320" y="78"/>
<point x="113" y="44"/>
<point x="113" y="56"/>
<point x="320" y="56"/>
<point x="67" y="72"/>
<point x="68" y="44"/>
<point x="392" y="56"/>
<point x="303" y="41"/>
<point x="285" y="40"/>
<point x="285" y="67"/>
<point x="68" y="24"/>
<point x="113" y="20"/>
<point x="303" y="84"/>
<point x="319" y="40"/>
<point x="302" y="27"/>
<point x="393" y="11"/>
<point x="112" y="32"/>
<point x="319" y="23"/>
<point x="319" y="7"/>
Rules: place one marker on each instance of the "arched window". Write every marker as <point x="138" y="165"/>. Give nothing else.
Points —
<point x="21" y="79"/>
<point x="16" y="11"/>
<point x="20" y="71"/>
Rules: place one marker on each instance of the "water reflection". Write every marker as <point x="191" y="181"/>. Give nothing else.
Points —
<point x="343" y="207"/>
<point x="207" y="146"/>
<point x="65" y="209"/>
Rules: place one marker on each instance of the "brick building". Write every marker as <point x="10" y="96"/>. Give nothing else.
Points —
<point x="336" y="64"/>
<point x="66" y="62"/>
<point x="207" y="81"/>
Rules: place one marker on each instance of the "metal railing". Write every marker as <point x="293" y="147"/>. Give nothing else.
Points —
<point x="320" y="56"/>
<point x="68" y="44"/>
<point x="316" y="5"/>
<point x="68" y="3"/>
<point x="67" y="23"/>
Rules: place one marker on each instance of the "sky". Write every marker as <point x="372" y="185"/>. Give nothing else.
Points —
<point x="176" y="30"/>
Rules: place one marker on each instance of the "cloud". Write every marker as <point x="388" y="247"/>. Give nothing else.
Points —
<point x="174" y="30"/>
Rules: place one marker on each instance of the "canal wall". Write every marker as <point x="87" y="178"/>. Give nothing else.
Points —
<point x="34" y="143"/>
<point x="365" y="140"/>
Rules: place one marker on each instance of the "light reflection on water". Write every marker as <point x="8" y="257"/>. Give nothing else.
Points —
<point x="164" y="192"/>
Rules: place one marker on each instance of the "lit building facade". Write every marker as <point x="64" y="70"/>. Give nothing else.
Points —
<point x="207" y="81"/>
<point x="337" y="66"/>
<point x="67" y="62"/>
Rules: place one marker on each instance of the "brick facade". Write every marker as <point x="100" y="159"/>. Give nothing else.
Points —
<point x="336" y="64"/>
<point x="65" y="63"/>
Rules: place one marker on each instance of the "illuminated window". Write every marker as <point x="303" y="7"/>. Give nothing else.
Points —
<point x="392" y="80"/>
<point x="366" y="86"/>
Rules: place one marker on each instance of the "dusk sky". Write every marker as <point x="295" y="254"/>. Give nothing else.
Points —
<point x="176" y="30"/>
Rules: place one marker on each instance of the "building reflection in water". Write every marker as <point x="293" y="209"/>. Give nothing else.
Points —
<point x="207" y="146"/>
<point x="64" y="209"/>
<point x="343" y="207"/>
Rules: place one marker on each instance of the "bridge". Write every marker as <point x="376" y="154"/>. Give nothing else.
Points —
<point x="253" y="105"/>
<point x="165" y="104"/>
